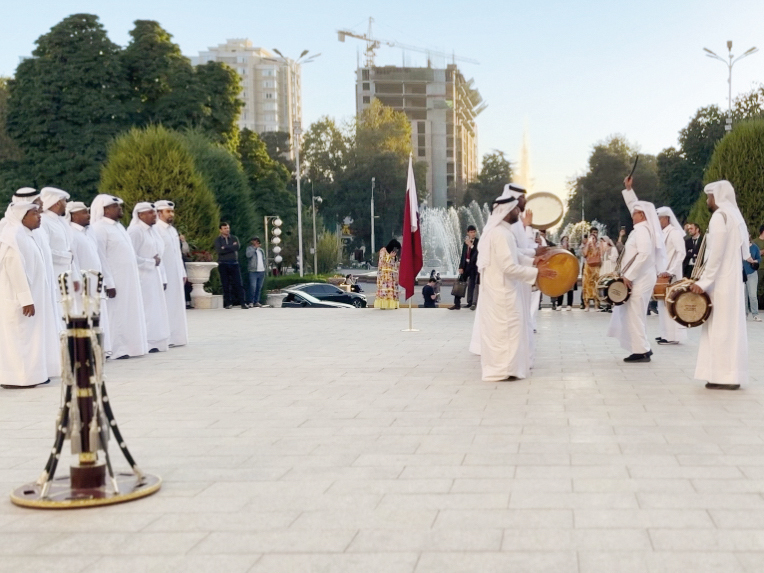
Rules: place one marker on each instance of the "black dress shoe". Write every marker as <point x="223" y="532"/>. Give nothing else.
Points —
<point x="714" y="386"/>
<point x="123" y="357"/>
<point x="455" y="307"/>
<point x="229" y="306"/>
<point x="658" y="338"/>
<point x="663" y="341"/>
<point x="153" y="351"/>
<point x="638" y="358"/>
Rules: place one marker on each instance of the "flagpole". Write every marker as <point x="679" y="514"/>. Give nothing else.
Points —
<point x="411" y="320"/>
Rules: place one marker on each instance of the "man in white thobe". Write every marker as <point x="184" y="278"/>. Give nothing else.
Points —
<point x="85" y="250"/>
<point x="59" y="233"/>
<point x="40" y="236"/>
<point x="175" y="294"/>
<point x="127" y="322"/>
<point x="149" y="252"/>
<point x="723" y="351"/>
<point x="503" y="339"/>
<point x="644" y="257"/>
<point x="29" y="347"/>
<point x="671" y="332"/>
<point x="525" y="246"/>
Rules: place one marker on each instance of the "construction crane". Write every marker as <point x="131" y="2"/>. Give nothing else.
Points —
<point x="373" y="44"/>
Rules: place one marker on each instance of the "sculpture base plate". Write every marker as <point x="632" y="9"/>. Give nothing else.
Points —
<point x="62" y="496"/>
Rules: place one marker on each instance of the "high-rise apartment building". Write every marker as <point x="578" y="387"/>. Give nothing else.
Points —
<point x="272" y="88"/>
<point x="441" y="106"/>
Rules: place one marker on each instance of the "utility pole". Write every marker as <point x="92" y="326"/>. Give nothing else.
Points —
<point x="373" y="179"/>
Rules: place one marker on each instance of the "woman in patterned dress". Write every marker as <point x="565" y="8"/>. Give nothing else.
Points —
<point x="387" y="276"/>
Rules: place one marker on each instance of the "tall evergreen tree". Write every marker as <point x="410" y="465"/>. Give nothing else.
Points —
<point x="65" y="103"/>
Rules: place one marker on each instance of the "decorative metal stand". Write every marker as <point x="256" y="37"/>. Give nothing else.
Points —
<point x="85" y="417"/>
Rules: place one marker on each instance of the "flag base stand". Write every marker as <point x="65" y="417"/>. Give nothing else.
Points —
<point x="411" y="323"/>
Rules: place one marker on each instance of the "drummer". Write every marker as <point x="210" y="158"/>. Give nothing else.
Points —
<point x="671" y="332"/>
<point x="643" y="258"/>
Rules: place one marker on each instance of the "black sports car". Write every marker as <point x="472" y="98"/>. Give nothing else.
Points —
<point x="327" y="292"/>
<point x="300" y="299"/>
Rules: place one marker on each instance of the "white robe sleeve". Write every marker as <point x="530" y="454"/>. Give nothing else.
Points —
<point x="507" y="264"/>
<point x="644" y="248"/>
<point x="17" y="278"/>
<point x="137" y="238"/>
<point x="717" y="238"/>
<point x="631" y="199"/>
<point x="676" y="244"/>
<point x="525" y="260"/>
<point x="101" y="236"/>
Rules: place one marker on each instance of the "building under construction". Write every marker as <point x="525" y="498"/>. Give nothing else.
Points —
<point x="442" y="107"/>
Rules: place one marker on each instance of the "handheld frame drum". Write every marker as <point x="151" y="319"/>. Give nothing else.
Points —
<point x="85" y="416"/>
<point x="684" y="306"/>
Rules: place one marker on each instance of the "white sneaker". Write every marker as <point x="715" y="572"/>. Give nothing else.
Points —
<point x="568" y="308"/>
<point x="756" y="318"/>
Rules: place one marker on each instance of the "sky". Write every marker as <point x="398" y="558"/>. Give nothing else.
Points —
<point x="571" y="73"/>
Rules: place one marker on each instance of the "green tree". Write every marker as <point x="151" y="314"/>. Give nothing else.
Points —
<point x="326" y="151"/>
<point x="223" y="175"/>
<point x="155" y="163"/>
<point x="380" y="129"/>
<point x="267" y="181"/>
<point x="739" y="158"/>
<point x="279" y="145"/>
<point x="165" y="88"/>
<point x="599" y="189"/>
<point x="495" y="172"/>
<point x="65" y="103"/>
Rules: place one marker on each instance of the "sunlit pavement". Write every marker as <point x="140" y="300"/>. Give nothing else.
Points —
<point x="328" y="440"/>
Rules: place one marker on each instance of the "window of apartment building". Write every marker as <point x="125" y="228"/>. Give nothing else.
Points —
<point x="269" y="95"/>
<point x="269" y="84"/>
<point x="365" y="75"/>
<point x="449" y="180"/>
<point x="450" y="168"/>
<point x="422" y="152"/>
<point x="449" y="152"/>
<point x="269" y="72"/>
<point x="240" y="71"/>
<point x="366" y="99"/>
<point x="240" y="59"/>
<point x="366" y="86"/>
<point x="420" y="139"/>
<point x="420" y="127"/>
<point x="270" y="106"/>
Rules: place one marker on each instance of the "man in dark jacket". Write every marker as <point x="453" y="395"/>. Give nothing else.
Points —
<point x="468" y="268"/>
<point x="227" y="247"/>
<point x="691" y="245"/>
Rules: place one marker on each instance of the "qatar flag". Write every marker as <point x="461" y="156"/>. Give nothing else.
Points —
<point x="411" y="251"/>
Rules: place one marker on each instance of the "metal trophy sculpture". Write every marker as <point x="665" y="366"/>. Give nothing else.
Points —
<point x="85" y="417"/>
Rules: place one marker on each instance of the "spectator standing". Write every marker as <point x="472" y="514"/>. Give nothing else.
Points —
<point x="227" y="247"/>
<point x="468" y="267"/>
<point x="759" y="242"/>
<point x="387" y="276"/>
<point x="751" y="272"/>
<point x="557" y="305"/>
<point x="256" y="269"/>
<point x="429" y="294"/>
<point x="692" y="246"/>
<point x="593" y="261"/>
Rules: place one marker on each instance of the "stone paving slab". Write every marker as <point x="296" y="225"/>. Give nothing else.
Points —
<point x="324" y="440"/>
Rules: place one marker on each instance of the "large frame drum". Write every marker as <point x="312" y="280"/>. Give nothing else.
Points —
<point x="566" y="265"/>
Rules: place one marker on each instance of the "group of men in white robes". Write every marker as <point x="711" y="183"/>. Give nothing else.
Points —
<point x="503" y="328"/>
<point x="44" y="235"/>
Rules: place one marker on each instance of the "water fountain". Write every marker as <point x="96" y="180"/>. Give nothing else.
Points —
<point x="443" y="232"/>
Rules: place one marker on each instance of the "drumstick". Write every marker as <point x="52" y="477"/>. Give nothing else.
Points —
<point x="635" y="167"/>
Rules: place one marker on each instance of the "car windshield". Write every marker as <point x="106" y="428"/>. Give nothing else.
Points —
<point x="305" y="296"/>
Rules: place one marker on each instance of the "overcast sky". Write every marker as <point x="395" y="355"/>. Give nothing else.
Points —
<point x="572" y="72"/>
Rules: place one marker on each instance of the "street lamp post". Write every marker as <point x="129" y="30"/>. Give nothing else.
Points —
<point x="732" y="62"/>
<point x="373" y="179"/>
<point x="315" y="237"/>
<point x="292" y="65"/>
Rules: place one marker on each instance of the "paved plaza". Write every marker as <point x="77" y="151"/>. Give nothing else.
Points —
<point x="323" y="440"/>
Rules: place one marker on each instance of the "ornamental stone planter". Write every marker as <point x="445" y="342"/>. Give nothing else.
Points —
<point x="198" y="274"/>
